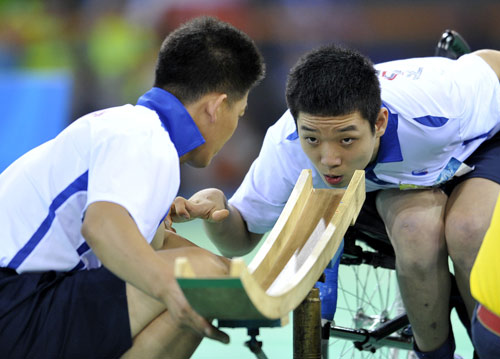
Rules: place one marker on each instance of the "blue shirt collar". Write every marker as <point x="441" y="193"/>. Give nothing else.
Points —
<point x="175" y="119"/>
<point x="389" y="149"/>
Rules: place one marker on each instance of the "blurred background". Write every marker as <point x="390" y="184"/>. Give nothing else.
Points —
<point x="60" y="59"/>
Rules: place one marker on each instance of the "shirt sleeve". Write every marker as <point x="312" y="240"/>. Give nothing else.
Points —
<point x="138" y="172"/>
<point x="269" y="182"/>
<point x="479" y="92"/>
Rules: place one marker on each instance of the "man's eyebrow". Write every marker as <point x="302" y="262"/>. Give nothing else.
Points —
<point x="305" y="128"/>
<point x="348" y="128"/>
<point x="344" y="129"/>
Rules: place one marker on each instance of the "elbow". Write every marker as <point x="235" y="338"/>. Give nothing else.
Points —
<point x="492" y="58"/>
<point x="243" y="248"/>
<point x="86" y="231"/>
<point x="89" y="230"/>
<point x="235" y="252"/>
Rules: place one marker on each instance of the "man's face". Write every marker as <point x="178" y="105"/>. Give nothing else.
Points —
<point x="217" y="132"/>
<point x="339" y="145"/>
<point x="227" y="121"/>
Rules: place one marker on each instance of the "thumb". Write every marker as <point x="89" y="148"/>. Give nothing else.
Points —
<point x="219" y="215"/>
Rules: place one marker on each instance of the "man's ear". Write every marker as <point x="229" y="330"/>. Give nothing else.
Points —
<point x="213" y="105"/>
<point x="381" y="123"/>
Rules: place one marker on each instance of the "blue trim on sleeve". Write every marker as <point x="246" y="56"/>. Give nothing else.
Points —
<point x="165" y="216"/>
<point x="293" y="136"/>
<point x="431" y="121"/>
<point x="371" y="176"/>
<point x="390" y="148"/>
<point x="79" y="266"/>
<point x="175" y="119"/>
<point x="78" y="185"/>
<point x="466" y="142"/>
<point x="83" y="248"/>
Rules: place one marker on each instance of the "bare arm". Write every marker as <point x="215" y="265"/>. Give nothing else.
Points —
<point x="115" y="239"/>
<point x="223" y="223"/>
<point x="492" y="57"/>
<point x="231" y="236"/>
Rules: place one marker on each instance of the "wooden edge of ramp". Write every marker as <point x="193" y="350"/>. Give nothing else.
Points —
<point x="305" y="238"/>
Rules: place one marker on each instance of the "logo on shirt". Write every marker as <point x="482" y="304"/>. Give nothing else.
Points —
<point x="422" y="172"/>
<point x="414" y="75"/>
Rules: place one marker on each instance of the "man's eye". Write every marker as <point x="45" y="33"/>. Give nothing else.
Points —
<point x="347" y="141"/>
<point x="311" y="140"/>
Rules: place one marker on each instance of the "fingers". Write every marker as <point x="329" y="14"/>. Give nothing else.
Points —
<point x="204" y="328"/>
<point x="168" y="223"/>
<point x="184" y="210"/>
<point x="218" y="335"/>
<point x="185" y="316"/>
<point x="179" y="211"/>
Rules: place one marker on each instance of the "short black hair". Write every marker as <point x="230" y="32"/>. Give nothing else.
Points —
<point x="207" y="55"/>
<point x="334" y="81"/>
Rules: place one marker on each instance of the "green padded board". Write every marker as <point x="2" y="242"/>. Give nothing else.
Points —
<point x="219" y="298"/>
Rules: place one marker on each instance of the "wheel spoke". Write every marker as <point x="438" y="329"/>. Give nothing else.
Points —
<point x="367" y="296"/>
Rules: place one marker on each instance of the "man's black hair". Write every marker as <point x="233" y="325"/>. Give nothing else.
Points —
<point x="208" y="55"/>
<point x="334" y="81"/>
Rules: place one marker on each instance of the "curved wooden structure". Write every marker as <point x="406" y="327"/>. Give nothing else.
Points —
<point x="289" y="262"/>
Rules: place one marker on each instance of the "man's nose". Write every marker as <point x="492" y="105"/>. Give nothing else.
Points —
<point x="330" y="157"/>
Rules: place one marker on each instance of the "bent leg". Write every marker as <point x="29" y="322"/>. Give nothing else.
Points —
<point x="468" y="216"/>
<point x="415" y="225"/>
<point x="153" y="330"/>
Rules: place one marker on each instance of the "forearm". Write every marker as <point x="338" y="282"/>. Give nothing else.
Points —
<point x="231" y="235"/>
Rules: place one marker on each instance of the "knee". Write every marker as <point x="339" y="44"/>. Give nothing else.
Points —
<point x="204" y="263"/>
<point x="218" y="266"/>
<point x="464" y="235"/>
<point x="419" y="245"/>
<point x="207" y="264"/>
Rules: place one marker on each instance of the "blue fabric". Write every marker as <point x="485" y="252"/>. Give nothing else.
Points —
<point x="476" y="138"/>
<point x="390" y="148"/>
<point x="445" y="351"/>
<point x="485" y="162"/>
<point x="328" y="288"/>
<point x="78" y="185"/>
<point x="175" y="118"/>
<point x="431" y="121"/>
<point x="63" y="315"/>
<point x="486" y="343"/>
<point x="293" y="136"/>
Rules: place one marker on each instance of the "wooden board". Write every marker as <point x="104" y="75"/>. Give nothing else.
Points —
<point x="297" y="250"/>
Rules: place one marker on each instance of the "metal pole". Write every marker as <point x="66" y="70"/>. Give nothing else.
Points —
<point x="307" y="327"/>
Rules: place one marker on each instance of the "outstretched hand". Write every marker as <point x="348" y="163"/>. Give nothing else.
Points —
<point x="208" y="204"/>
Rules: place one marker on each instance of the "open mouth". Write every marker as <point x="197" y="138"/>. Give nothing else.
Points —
<point x="333" y="180"/>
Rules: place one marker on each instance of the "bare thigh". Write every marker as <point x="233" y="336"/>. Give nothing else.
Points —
<point x="468" y="216"/>
<point x="414" y="220"/>
<point x="143" y="309"/>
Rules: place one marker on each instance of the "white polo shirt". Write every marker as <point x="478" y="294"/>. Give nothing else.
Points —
<point x="441" y="110"/>
<point x="123" y="155"/>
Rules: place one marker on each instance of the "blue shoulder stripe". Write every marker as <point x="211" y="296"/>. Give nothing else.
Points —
<point x="80" y="184"/>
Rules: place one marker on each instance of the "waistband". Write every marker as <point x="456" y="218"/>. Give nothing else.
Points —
<point x="488" y="319"/>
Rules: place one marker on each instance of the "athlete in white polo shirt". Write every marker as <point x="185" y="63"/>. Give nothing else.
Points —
<point x="425" y="130"/>
<point x="86" y="262"/>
